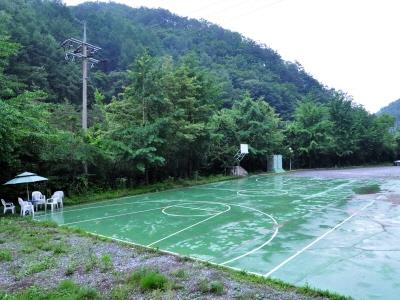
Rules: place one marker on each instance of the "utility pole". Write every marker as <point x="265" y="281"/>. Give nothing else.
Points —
<point x="77" y="49"/>
<point x="84" y="79"/>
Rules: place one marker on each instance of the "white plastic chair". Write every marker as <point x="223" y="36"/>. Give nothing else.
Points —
<point x="60" y="197"/>
<point x="38" y="199"/>
<point x="53" y="202"/>
<point x="8" y="206"/>
<point x="26" y="207"/>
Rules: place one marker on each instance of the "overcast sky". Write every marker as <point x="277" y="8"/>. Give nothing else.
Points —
<point x="351" y="45"/>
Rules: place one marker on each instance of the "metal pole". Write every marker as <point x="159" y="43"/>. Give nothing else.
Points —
<point x="84" y="80"/>
<point x="79" y="49"/>
<point x="75" y="48"/>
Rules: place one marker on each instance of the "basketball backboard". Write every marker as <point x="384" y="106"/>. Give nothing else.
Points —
<point x="244" y="148"/>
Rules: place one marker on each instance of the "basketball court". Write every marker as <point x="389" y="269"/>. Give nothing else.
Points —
<point x="303" y="230"/>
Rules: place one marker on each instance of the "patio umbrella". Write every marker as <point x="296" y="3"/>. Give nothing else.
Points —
<point x="26" y="178"/>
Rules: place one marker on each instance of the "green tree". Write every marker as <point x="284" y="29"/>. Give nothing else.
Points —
<point x="310" y="134"/>
<point x="251" y="122"/>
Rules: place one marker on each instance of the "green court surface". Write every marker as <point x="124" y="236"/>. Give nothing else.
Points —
<point x="301" y="230"/>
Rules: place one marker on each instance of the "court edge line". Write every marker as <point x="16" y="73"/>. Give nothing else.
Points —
<point x="316" y="240"/>
<point x="101" y="218"/>
<point x="186" y="228"/>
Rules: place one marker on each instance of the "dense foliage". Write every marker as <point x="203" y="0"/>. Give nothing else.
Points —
<point x="175" y="100"/>
<point x="124" y="33"/>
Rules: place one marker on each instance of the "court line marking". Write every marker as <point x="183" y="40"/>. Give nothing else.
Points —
<point x="158" y="192"/>
<point x="109" y="205"/>
<point x="276" y="225"/>
<point x="329" y="190"/>
<point x="113" y="216"/>
<point x="273" y="270"/>
<point x="166" y="251"/>
<point x="135" y="196"/>
<point x="197" y="202"/>
<point x="188" y="227"/>
<point x="226" y="262"/>
<point x="258" y="193"/>
<point x="164" y="211"/>
<point x="196" y="208"/>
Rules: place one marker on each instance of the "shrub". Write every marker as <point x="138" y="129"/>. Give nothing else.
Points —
<point x="90" y="263"/>
<point x="70" y="270"/>
<point x="180" y="273"/>
<point x="60" y="248"/>
<point x="120" y="292"/>
<point x="106" y="263"/>
<point x="203" y="286"/>
<point x="217" y="288"/>
<point x="149" y="280"/>
<point x="5" y="255"/>
<point x="40" y="266"/>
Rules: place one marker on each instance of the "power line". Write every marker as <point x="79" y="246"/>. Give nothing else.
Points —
<point x="81" y="50"/>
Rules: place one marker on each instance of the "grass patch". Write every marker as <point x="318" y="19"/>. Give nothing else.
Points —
<point x="105" y="263"/>
<point x="5" y="255"/>
<point x="90" y="263"/>
<point x="213" y="287"/>
<point x="60" y="248"/>
<point x="216" y="287"/>
<point x="180" y="273"/>
<point x="40" y="266"/>
<point x="66" y="290"/>
<point x="203" y="286"/>
<point x="71" y="269"/>
<point x="367" y="189"/>
<point x="149" y="280"/>
<point x="28" y="249"/>
<point x="120" y="292"/>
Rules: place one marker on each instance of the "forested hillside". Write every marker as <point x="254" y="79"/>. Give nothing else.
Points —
<point x="172" y="98"/>
<point x="124" y="33"/>
<point x="393" y="109"/>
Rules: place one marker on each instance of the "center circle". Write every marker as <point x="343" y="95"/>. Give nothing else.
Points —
<point x="195" y="209"/>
